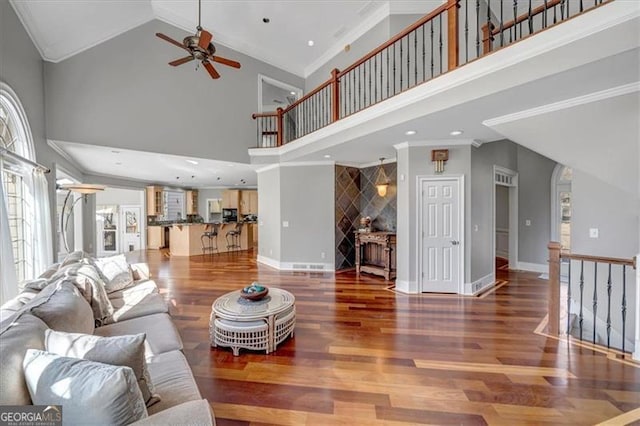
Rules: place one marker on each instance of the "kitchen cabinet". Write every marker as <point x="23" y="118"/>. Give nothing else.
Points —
<point x="155" y="237"/>
<point x="248" y="202"/>
<point x="192" y="201"/>
<point x="230" y="199"/>
<point x="155" y="204"/>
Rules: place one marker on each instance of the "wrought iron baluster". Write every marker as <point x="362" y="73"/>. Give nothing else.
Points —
<point x="353" y="75"/>
<point x="401" y="64"/>
<point x="501" y="25"/>
<point x="581" y="316"/>
<point x="394" y="68"/>
<point x="477" y="28"/>
<point x="388" y="69"/>
<point x="624" y="305"/>
<point x="515" y="19"/>
<point x="581" y="6"/>
<point x="544" y="17"/>
<point x="569" y="300"/>
<point x="364" y="82"/>
<point x="370" y="65"/>
<point x="530" y="19"/>
<point x="555" y="13"/>
<point x="375" y="78"/>
<point x="562" y="10"/>
<point x="466" y="31"/>
<point x="424" y="63"/>
<point x="415" y="57"/>
<point x="440" y="42"/>
<point x="489" y="27"/>
<point x="432" y="48"/>
<point x="609" y="308"/>
<point x="595" y="298"/>
<point x="359" y="77"/>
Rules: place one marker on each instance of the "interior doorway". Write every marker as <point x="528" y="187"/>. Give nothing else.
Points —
<point x="505" y="219"/>
<point x="561" y="205"/>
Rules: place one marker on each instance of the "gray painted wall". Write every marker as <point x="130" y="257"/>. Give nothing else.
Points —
<point x="21" y="67"/>
<point x="502" y="207"/>
<point x="120" y="196"/>
<point x="504" y="154"/>
<point x="269" y="219"/>
<point x="307" y="203"/>
<point x="123" y="94"/>
<point x="534" y="203"/>
<point x="412" y="163"/>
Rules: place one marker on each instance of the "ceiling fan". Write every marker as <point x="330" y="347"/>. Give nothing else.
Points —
<point x="200" y="48"/>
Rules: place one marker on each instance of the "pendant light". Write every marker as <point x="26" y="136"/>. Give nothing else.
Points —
<point x="382" y="181"/>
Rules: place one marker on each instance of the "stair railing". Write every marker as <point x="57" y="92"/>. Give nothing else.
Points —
<point x="455" y="33"/>
<point x="599" y="285"/>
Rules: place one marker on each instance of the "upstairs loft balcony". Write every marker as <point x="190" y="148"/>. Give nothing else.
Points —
<point x="455" y="34"/>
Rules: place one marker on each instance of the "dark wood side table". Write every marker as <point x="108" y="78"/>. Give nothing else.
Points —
<point x="376" y="253"/>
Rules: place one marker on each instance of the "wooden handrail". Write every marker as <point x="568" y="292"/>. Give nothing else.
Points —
<point x="402" y="34"/>
<point x="308" y="95"/>
<point x="599" y="259"/>
<point x="263" y="115"/>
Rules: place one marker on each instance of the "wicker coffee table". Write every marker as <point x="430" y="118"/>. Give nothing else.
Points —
<point x="257" y="325"/>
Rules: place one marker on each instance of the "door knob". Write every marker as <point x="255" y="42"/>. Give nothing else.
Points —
<point x="454" y="242"/>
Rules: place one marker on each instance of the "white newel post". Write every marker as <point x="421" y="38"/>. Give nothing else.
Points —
<point x="636" y="351"/>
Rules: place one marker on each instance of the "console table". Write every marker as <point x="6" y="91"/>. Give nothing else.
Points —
<point x="376" y="253"/>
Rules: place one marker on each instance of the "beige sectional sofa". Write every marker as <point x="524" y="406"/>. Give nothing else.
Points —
<point x="74" y="297"/>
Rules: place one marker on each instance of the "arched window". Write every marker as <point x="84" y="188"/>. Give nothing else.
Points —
<point x="19" y="187"/>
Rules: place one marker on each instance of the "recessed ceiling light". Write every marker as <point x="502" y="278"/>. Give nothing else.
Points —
<point x="327" y="156"/>
<point x="456" y="133"/>
<point x="191" y="161"/>
<point x="292" y="92"/>
<point x="266" y="20"/>
<point x="410" y="132"/>
<point x="310" y="43"/>
<point x="118" y="164"/>
<point x="231" y="165"/>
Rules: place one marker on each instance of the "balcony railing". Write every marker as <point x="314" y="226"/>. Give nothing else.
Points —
<point x="589" y="303"/>
<point x="452" y="35"/>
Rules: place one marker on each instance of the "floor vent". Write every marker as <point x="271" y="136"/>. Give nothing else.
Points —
<point x="306" y="266"/>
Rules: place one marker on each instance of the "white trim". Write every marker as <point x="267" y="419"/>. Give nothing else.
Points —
<point x="513" y="216"/>
<point x="272" y="81"/>
<point x="479" y="285"/>
<point x="636" y="352"/>
<point x="564" y="104"/>
<point x="24" y="128"/>
<point x="363" y="26"/>
<point x="296" y="266"/>
<point x="420" y="179"/>
<point x="377" y="163"/>
<point x="295" y="164"/>
<point x="408" y="287"/>
<point x="533" y="267"/>
<point x="434" y="143"/>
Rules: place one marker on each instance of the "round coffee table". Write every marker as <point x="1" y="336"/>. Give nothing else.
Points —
<point x="257" y="325"/>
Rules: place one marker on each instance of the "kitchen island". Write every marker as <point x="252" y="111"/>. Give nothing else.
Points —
<point x="185" y="238"/>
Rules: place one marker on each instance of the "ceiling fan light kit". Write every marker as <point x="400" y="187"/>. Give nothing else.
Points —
<point x="200" y="49"/>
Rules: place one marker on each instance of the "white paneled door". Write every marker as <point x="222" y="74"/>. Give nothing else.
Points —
<point x="440" y="235"/>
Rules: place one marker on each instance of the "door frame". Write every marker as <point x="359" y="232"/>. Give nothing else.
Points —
<point x="512" y="184"/>
<point x="461" y="228"/>
<point x="123" y="230"/>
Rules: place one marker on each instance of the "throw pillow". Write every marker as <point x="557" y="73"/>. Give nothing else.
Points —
<point x="115" y="272"/>
<point x="117" y="350"/>
<point x="61" y="306"/>
<point x="89" y="392"/>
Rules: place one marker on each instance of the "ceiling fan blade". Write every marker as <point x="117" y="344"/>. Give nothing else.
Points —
<point x="170" y="40"/>
<point x="224" y="61"/>
<point x="212" y="71"/>
<point x="181" y="61"/>
<point x="205" y="39"/>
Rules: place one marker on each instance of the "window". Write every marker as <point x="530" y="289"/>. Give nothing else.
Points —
<point x="16" y="179"/>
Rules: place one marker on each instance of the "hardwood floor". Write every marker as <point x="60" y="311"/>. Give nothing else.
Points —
<point x="365" y="354"/>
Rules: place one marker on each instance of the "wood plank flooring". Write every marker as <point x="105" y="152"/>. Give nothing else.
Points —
<point x="364" y="354"/>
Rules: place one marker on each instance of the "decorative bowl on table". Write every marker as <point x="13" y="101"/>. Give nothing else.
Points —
<point x="254" y="292"/>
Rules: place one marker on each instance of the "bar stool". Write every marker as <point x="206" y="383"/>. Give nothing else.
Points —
<point x="233" y="237"/>
<point x="211" y="236"/>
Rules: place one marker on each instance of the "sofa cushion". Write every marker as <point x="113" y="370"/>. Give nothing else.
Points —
<point x="18" y="333"/>
<point x="62" y="307"/>
<point x="117" y="350"/>
<point x="36" y="284"/>
<point x="138" y="305"/>
<point x="73" y="257"/>
<point x="115" y="272"/>
<point x="162" y="335"/>
<point x="50" y="271"/>
<point x="144" y="287"/>
<point x="172" y="377"/>
<point x="188" y="413"/>
<point x="89" y="392"/>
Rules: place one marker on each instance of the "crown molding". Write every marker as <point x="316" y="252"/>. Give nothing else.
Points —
<point x="564" y="104"/>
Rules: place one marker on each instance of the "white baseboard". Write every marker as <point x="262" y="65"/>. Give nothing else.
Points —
<point x="479" y="285"/>
<point x="636" y="353"/>
<point x="296" y="266"/>
<point x="409" y="287"/>
<point x="533" y="267"/>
